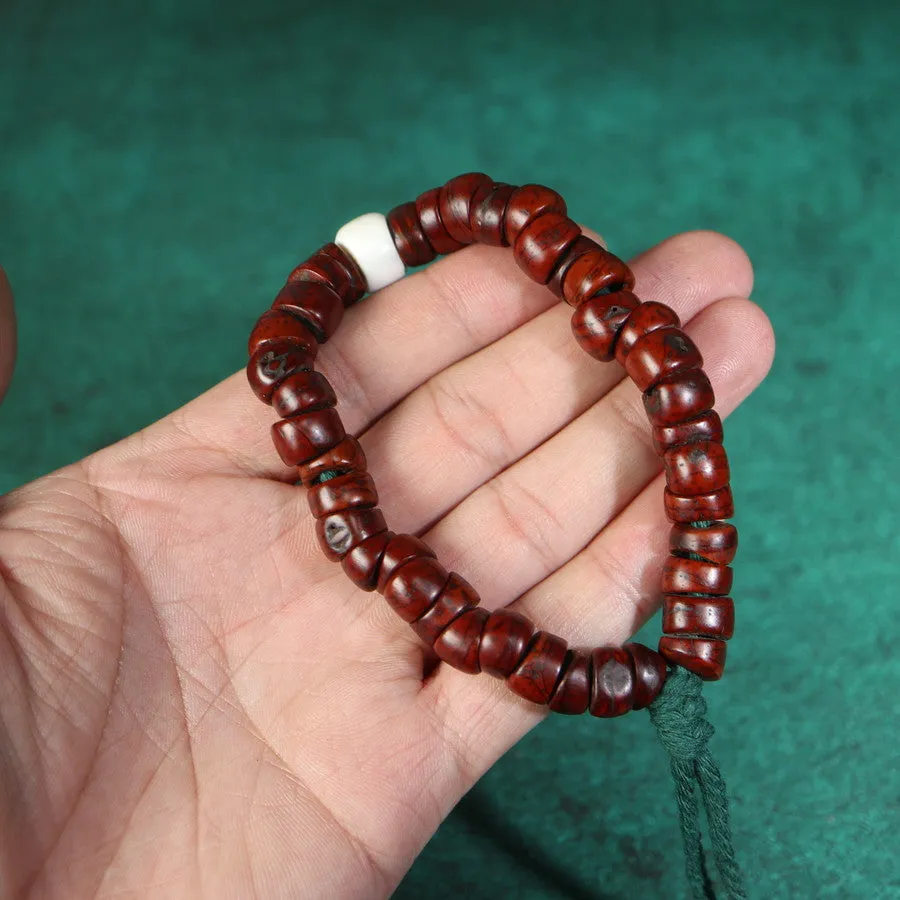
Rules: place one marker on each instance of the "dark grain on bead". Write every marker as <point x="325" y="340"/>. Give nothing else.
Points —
<point x="362" y="563"/>
<point x="583" y="244"/>
<point x="705" y="427"/>
<point x="660" y="354"/>
<point x="542" y="243"/>
<point x="702" y="656"/>
<point x="487" y="213"/>
<point x="459" y="642"/>
<point x="597" y="321"/>
<point x="340" y="532"/>
<point x="273" y="363"/>
<point x="573" y="690"/>
<point x="454" y="201"/>
<point x="278" y="327"/>
<point x="649" y="674"/>
<point x="699" y="508"/>
<point x="612" y="684"/>
<point x="428" y="211"/>
<point x="678" y="398"/>
<point x="695" y="576"/>
<point x="706" y="616"/>
<point x="333" y="266"/>
<point x="303" y="437"/>
<point x="595" y="271"/>
<point x="315" y="303"/>
<point x="647" y="318"/>
<point x="401" y="549"/>
<point x="456" y="597"/>
<point x="537" y="674"/>
<point x="345" y="456"/>
<point x="408" y="237"/>
<point x="527" y="203"/>
<point x="355" y="490"/>
<point x="698" y="468"/>
<point x="303" y="392"/>
<point x="505" y="640"/>
<point x="717" y="542"/>
<point x="414" y="586"/>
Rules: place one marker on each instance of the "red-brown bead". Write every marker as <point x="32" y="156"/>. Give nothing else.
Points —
<point x="303" y="392"/>
<point x="401" y="549"/>
<point x="340" y="532"/>
<point x="314" y="303"/>
<point x="597" y="321"/>
<point x="428" y="211"/>
<point x="454" y="201"/>
<point x="706" y="427"/>
<point x="699" y="508"/>
<point x="415" y="586"/>
<point x="301" y="438"/>
<point x="537" y="674"/>
<point x="573" y="690"/>
<point x="527" y="203"/>
<point x="355" y="490"/>
<point x="333" y="266"/>
<point x="274" y="362"/>
<point x="345" y="456"/>
<point x="650" y="316"/>
<point x="487" y="213"/>
<point x="583" y="244"/>
<point x="408" y="237"/>
<point x="505" y="640"/>
<point x="456" y="597"/>
<point x="660" y="354"/>
<point x="705" y="616"/>
<point x="649" y="674"/>
<point x="702" y="656"/>
<point x="542" y="243"/>
<point x="717" y="542"/>
<point x="276" y="326"/>
<point x="459" y="642"/>
<point x="594" y="272"/>
<point x="695" y="576"/>
<point x="362" y="563"/>
<point x="678" y="398"/>
<point x="698" y="468"/>
<point x="612" y="683"/>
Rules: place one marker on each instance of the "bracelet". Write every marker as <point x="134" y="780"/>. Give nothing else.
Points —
<point x="609" y="322"/>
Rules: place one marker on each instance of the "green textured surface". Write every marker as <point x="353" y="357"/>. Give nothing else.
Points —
<point x="160" y="170"/>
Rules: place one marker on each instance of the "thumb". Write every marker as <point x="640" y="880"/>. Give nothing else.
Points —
<point x="7" y="334"/>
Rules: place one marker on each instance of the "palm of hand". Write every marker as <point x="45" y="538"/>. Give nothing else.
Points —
<point x="196" y="702"/>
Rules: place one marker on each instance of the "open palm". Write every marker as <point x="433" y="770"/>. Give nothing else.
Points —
<point x="196" y="703"/>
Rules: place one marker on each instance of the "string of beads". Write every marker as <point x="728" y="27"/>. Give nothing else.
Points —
<point x="609" y="322"/>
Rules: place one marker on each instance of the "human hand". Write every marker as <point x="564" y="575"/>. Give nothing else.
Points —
<point x="196" y="702"/>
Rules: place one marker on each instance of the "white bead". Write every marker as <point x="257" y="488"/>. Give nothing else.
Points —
<point x="368" y="240"/>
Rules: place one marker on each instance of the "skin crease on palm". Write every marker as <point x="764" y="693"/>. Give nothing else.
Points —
<point x="197" y="703"/>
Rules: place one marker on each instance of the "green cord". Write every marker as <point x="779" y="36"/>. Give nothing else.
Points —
<point x="679" y="715"/>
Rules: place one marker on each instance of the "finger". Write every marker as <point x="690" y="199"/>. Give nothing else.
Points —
<point x="611" y="586"/>
<point x="482" y="414"/>
<point x="7" y="334"/>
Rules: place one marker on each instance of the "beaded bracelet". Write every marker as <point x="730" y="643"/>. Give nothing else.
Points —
<point x="609" y="322"/>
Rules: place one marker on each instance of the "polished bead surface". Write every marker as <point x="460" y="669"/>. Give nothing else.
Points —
<point x="272" y="363"/>
<point x="581" y="245"/>
<point x="355" y="490"/>
<point x="459" y="642"/>
<point x="536" y="675"/>
<point x="573" y="690"/>
<point x="542" y="243"/>
<point x="361" y="564"/>
<point x="717" y="542"/>
<point x="303" y="437"/>
<point x="409" y="239"/>
<point x="340" y="532"/>
<point x="401" y="549"/>
<point x="695" y="576"/>
<point x="647" y="318"/>
<point x="702" y="656"/>
<point x="706" y="616"/>
<point x="527" y="203"/>
<point x="705" y="427"/>
<point x="456" y="597"/>
<point x="303" y="392"/>
<point x="595" y="271"/>
<point x="699" y="508"/>
<point x="275" y="326"/>
<point x="345" y="456"/>
<point x="505" y="640"/>
<point x="660" y="354"/>
<point x="332" y="266"/>
<point x="487" y="214"/>
<point x="367" y="241"/>
<point x="429" y="213"/>
<point x="596" y="322"/>
<point x="414" y="586"/>
<point x="612" y="683"/>
<point x="454" y="202"/>
<point x="698" y="468"/>
<point x="314" y="303"/>
<point x="681" y="397"/>
<point x="649" y="674"/>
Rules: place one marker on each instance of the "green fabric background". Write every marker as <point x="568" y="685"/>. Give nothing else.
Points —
<point x="163" y="165"/>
